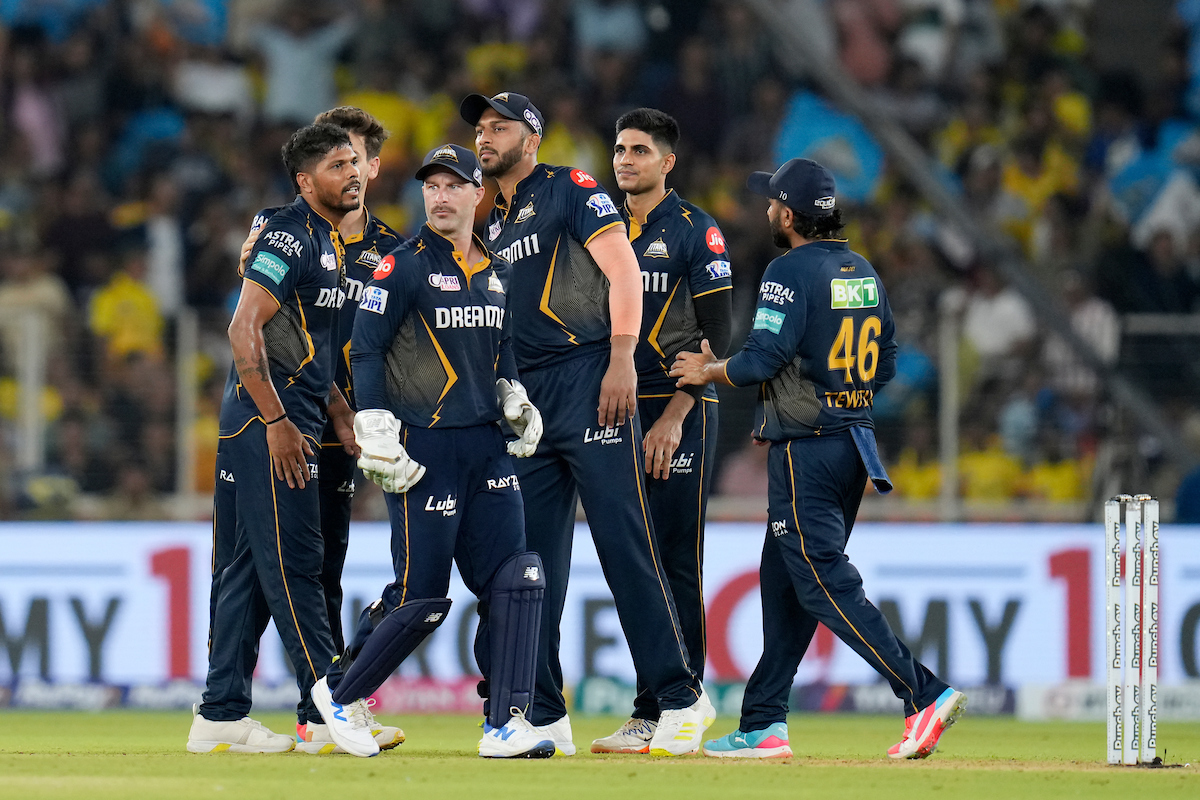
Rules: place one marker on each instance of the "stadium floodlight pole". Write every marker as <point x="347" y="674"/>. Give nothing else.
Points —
<point x="802" y="54"/>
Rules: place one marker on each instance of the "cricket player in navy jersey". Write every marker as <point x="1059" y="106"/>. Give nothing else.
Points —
<point x="434" y="373"/>
<point x="823" y="342"/>
<point x="366" y="239"/>
<point x="576" y="304"/>
<point x="686" y="297"/>
<point x="279" y="397"/>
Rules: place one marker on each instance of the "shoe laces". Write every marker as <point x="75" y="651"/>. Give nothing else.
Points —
<point x="518" y="720"/>
<point x="359" y="716"/>
<point x="367" y="704"/>
<point x="670" y="722"/>
<point x="638" y="727"/>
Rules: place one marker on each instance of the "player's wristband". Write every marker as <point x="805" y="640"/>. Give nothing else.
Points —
<point x="280" y="418"/>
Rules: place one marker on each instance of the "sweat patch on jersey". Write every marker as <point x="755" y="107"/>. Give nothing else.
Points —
<point x="374" y="299"/>
<point x="718" y="269"/>
<point x="269" y="265"/>
<point x="767" y="320"/>
<point x="854" y="293"/>
<point x="602" y="204"/>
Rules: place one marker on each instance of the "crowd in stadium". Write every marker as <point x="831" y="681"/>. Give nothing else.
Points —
<point x="138" y="139"/>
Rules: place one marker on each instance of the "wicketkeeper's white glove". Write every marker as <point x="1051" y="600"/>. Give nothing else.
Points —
<point x="523" y="418"/>
<point x="383" y="459"/>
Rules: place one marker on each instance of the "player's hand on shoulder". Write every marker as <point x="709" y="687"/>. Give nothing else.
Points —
<point x="247" y="248"/>
<point x="384" y="460"/>
<point x="523" y="417"/>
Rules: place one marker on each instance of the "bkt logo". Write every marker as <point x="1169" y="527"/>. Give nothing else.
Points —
<point x="330" y="298"/>
<point x="859" y="293"/>
<point x="779" y="527"/>
<point x="532" y="573"/>
<point x="604" y="436"/>
<point x="508" y="482"/>
<point x="447" y="506"/>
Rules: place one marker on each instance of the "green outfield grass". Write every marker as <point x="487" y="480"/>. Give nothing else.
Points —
<point x="125" y="754"/>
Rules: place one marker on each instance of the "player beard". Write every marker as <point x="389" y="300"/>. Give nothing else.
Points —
<point x="339" y="202"/>
<point x="505" y="161"/>
<point x="778" y="235"/>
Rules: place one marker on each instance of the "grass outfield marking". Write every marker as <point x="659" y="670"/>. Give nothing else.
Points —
<point x="125" y="754"/>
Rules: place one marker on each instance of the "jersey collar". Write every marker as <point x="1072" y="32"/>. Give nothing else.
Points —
<point x="323" y="223"/>
<point x="442" y="244"/>
<point x="358" y="237"/>
<point x="832" y="245"/>
<point x="522" y="186"/>
<point x="668" y="201"/>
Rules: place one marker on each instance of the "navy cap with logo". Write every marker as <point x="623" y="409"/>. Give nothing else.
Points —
<point x="458" y="160"/>
<point x="509" y="105"/>
<point x="801" y="184"/>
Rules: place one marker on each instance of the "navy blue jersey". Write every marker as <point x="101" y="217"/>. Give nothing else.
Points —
<point x="298" y="258"/>
<point x="432" y="334"/>
<point x="823" y="342"/>
<point x="682" y="256"/>
<point x="364" y="251"/>
<point x="559" y="297"/>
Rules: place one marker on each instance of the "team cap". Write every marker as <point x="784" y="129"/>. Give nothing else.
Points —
<point x="801" y="184"/>
<point x="458" y="160"/>
<point x="509" y="105"/>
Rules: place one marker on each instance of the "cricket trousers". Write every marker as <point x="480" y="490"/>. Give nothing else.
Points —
<point x="465" y="510"/>
<point x="603" y="467"/>
<point x="273" y="570"/>
<point x="815" y="486"/>
<point x="337" y="472"/>
<point x="677" y="509"/>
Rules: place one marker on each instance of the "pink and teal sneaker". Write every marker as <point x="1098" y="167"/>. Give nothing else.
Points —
<point x="923" y="729"/>
<point x="771" y="742"/>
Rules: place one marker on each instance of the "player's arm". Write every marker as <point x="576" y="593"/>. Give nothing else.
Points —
<point x="286" y="444"/>
<point x="887" y="348"/>
<point x="260" y="221"/>
<point x="342" y="417"/>
<point x="613" y="254"/>
<point x="779" y="324"/>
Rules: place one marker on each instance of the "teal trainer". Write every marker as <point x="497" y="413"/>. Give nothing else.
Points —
<point x="770" y="742"/>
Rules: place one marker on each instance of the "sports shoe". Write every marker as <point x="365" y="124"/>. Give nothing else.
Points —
<point x="515" y="739"/>
<point x="243" y="735"/>
<point x="680" y="729"/>
<point x="771" y="742"/>
<point x="559" y="732"/>
<point x="347" y="722"/>
<point x="314" y="738"/>
<point x="632" y="737"/>
<point x="386" y="736"/>
<point x="923" y="729"/>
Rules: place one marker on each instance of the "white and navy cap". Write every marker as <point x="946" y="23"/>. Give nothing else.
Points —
<point x="458" y="160"/>
<point x="509" y="105"/>
<point x="801" y="184"/>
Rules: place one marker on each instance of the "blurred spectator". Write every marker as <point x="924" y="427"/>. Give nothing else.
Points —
<point x="998" y="326"/>
<point x="134" y="497"/>
<point x="865" y="29"/>
<point x="917" y="472"/>
<point x="299" y="52"/>
<point x="34" y="112"/>
<point x="1058" y="476"/>
<point x="692" y="97"/>
<point x="608" y="26"/>
<point x="986" y="472"/>
<point x="124" y="313"/>
<point x="29" y="287"/>
<point x="909" y="99"/>
<point x="210" y="83"/>
<point x="1096" y="323"/>
<point x="79" y="449"/>
<point x="930" y="33"/>
<point x="743" y="59"/>
<point x="569" y="140"/>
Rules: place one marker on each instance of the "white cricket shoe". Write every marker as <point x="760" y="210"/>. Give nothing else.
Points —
<point x="386" y="736"/>
<point x="314" y="738"/>
<point x="632" y="737"/>
<point x="560" y="732"/>
<point x="243" y="735"/>
<point x="680" y="730"/>
<point x="515" y="739"/>
<point x="347" y="722"/>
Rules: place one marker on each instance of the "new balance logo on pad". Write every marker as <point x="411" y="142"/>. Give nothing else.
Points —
<point x="531" y="573"/>
<point x="433" y="617"/>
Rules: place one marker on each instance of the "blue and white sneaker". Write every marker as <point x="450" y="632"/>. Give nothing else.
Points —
<point x="348" y="724"/>
<point x="771" y="742"/>
<point x="515" y="739"/>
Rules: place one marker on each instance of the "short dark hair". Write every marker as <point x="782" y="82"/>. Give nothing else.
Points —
<point x="811" y="226"/>
<point x="661" y="126"/>
<point x="356" y="120"/>
<point x="310" y="144"/>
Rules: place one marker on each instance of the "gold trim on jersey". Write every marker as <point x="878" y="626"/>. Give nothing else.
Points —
<point x="545" y="304"/>
<point x="451" y="375"/>
<point x="713" y="291"/>
<point x="652" y="337"/>
<point x="602" y="230"/>
<point x="248" y="279"/>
